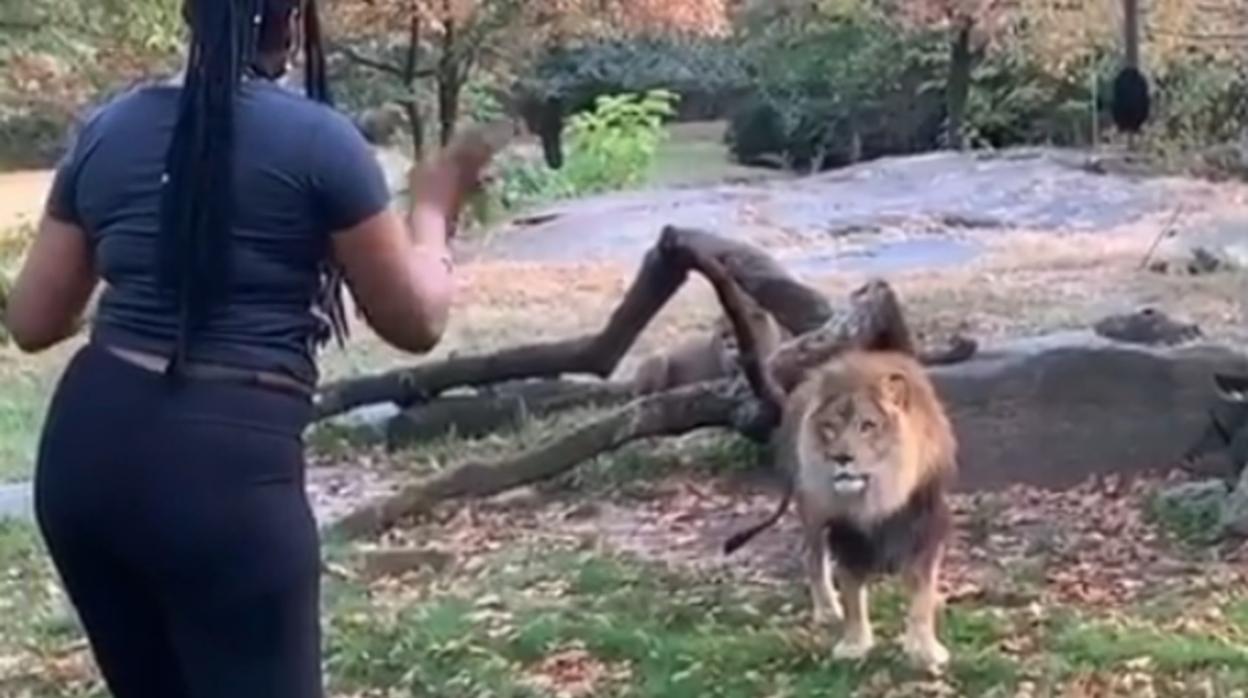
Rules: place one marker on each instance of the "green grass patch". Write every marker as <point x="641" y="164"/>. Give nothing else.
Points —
<point x="25" y="390"/>
<point x="1104" y="645"/>
<point x="662" y="635"/>
<point x="1196" y="521"/>
<point x="652" y="633"/>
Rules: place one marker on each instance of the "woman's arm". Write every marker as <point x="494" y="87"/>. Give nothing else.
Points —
<point x="53" y="288"/>
<point x="401" y="276"/>
<point x="402" y="282"/>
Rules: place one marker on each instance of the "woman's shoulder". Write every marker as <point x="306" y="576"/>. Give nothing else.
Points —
<point x="297" y="109"/>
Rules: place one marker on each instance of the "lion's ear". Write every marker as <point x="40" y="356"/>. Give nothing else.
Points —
<point x="895" y="388"/>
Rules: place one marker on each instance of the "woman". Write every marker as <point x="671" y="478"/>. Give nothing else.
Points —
<point x="217" y="212"/>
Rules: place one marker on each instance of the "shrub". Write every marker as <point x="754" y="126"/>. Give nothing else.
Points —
<point x="614" y="145"/>
<point x="831" y="88"/>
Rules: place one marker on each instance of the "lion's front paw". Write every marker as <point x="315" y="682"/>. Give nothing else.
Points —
<point x="829" y="613"/>
<point x="925" y="651"/>
<point x="853" y="648"/>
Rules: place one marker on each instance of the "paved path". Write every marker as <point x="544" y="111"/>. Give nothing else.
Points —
<point x="15" y="501"/>
<point x="22" y="195"/>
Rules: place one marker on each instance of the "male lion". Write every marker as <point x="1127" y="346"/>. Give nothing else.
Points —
<point x="869" y="453"/>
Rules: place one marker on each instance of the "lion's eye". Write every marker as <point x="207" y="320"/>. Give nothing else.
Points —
<point x="866" y="426"/>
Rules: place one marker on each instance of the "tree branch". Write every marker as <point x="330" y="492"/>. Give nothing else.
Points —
<point x="795" y="306"/>
<point x="670" y="413"/>
<point x="380" y="65"/>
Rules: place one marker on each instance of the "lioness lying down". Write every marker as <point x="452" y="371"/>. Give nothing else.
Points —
<point x="869" y="454"/>
<point x="705" y="358"/>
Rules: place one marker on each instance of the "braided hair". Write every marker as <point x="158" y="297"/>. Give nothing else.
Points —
<point x="197" y="203"/>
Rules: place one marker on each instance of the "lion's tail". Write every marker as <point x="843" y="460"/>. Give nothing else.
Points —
<point x="742" y="537"/>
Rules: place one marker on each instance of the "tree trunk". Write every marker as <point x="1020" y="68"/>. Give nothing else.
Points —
<point x="961" y="63"/>
<point x="416" y="125"/>
<point x="450" y="82"/>
<point x="411" y="105"/>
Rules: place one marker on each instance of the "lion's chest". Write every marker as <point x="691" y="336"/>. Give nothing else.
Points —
<point x="895" y="542"/>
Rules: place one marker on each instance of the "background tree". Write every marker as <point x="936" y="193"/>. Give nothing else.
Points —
<point x="971" y="25"/>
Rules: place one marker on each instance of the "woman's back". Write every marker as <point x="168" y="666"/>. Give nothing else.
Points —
<point x="301" y="173"/>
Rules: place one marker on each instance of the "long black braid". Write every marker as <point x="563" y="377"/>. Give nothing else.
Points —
<point x="197" y="205"/>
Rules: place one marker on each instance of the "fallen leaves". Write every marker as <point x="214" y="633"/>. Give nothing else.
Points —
<point x="573" y="672"/>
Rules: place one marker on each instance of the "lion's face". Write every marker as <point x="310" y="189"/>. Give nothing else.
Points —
<point x="855" y="442"/>
<point x="858" y="448"/>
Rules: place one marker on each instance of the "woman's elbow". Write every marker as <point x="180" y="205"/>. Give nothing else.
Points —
<point x="421" y="331"/>
<point x="28" y="338"/>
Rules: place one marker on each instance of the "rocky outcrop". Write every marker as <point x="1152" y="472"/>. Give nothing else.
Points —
<point x="1053" y="410"/>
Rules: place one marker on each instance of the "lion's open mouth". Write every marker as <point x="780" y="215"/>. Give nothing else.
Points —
<point x="849" y="483"/>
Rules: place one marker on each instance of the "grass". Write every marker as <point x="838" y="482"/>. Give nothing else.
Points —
<point x="538" y="616"/>
<point x="25" y="389"/>
<point x="641" y="630"/>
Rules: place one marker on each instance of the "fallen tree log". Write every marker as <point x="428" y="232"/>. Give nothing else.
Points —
<point x="671" y="413"/>
<point x="795" y="306"/>
<point x="473" y="416"/>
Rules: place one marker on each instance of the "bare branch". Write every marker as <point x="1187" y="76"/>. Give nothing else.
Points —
<point x="676" y="412"/>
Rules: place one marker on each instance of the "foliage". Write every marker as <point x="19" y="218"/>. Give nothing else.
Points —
<point x="58" y="56"/>
<point x="834" y="85"/>
<point x="1200" y="102"/>
<point x="1196" y="520"/>
<point x="705" y="72"/>
<point x="1014" y="100"/>
<point x="614" y="145"/>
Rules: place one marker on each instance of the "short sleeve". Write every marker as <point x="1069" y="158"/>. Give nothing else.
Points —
<point x="349" y="182"/>
<point x="62" y="201"/>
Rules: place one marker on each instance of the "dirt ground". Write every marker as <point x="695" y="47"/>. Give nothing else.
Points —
<point x="21" y="196"/>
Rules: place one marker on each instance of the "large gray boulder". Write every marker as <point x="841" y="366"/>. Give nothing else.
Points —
<point x="1053" y="410"/>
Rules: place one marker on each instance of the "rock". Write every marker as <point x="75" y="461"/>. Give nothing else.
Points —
<point x="370" y="422"/>
<point x="1053" y="410"/>
<point x="1147" y="326"/>
<point x="1213" y="246"/>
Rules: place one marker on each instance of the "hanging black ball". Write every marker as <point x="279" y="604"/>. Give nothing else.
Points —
<point x="1132" y="103"/>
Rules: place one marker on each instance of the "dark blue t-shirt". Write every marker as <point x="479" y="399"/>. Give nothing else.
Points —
<point x="302" y="172"/>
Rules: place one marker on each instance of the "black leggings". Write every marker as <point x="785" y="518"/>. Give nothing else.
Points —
<point x="177" y="520"/>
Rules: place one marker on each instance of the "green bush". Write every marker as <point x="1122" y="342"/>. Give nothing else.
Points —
<point x="614" y="146"/>
<point x="610" y="148"/>
<point x="1199" y="103"/>
<point x="834" y="87"/>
